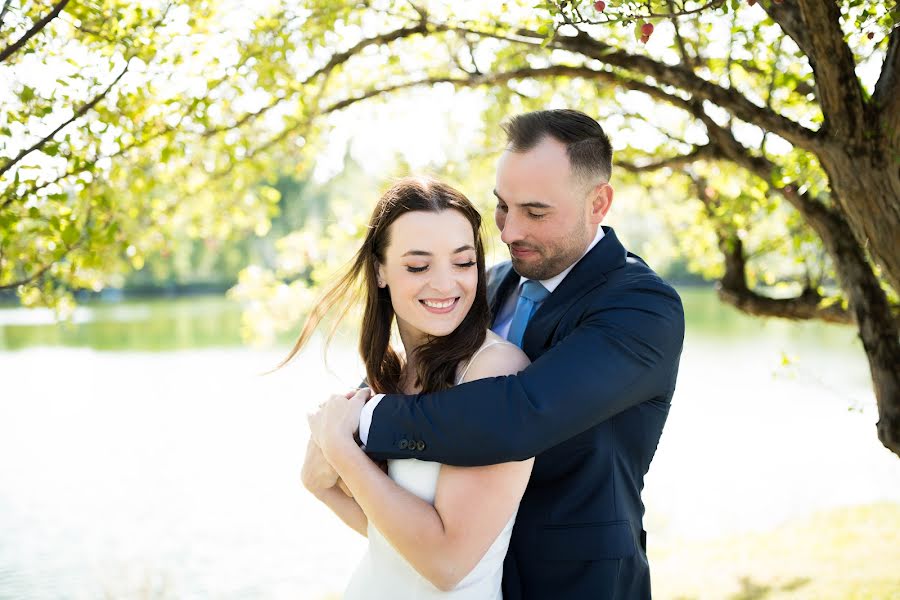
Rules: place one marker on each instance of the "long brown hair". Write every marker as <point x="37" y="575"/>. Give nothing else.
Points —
<point x="438" y="358"/>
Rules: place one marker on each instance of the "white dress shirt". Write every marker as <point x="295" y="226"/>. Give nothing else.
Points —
<point x="501" y="328"/>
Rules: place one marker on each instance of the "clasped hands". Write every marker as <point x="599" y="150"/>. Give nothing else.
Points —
<point x="332" y="428"/>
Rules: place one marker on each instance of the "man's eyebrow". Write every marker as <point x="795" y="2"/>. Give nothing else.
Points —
<point x="540" y="205"/>
<point x="426" y="253"/>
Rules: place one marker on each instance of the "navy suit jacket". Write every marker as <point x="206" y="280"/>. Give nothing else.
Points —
<point x="605" y="347"/>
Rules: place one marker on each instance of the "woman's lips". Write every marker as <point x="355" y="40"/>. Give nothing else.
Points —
<point x="440" y="310"/>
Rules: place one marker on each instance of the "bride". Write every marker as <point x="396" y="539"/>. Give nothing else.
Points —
<point x="434" y="531"/>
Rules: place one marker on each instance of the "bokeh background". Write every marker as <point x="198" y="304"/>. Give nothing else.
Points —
<point x="178" y="180"/>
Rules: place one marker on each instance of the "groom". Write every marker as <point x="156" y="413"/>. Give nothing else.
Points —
<point x="604" y="333"/>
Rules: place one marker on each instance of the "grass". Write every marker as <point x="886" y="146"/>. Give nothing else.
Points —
<point x="849" y="553"/>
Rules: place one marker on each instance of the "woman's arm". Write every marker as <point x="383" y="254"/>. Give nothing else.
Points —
<point x="346" y="508"/>
<point x="443" y="542"/>
<point x="322" y="481"/>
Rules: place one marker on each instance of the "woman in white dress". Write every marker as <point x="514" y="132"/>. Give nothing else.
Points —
<point x="435" y="531"/>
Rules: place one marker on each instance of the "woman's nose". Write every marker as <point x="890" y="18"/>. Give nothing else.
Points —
<point x="442" y="280"/>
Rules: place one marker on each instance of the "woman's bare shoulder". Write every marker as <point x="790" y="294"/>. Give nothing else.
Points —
<point x="496" y="357"/>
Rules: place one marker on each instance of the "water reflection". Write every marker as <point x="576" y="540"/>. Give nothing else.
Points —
<point x="146" y="325"/>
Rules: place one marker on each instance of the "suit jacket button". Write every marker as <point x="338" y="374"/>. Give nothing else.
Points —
<point x="403" y="444"/>
<point x="420" y="445"/>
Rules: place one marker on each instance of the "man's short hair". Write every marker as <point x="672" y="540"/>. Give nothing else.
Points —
<point x="588" y="148"/>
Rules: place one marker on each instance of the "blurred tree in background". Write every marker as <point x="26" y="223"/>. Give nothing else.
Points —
<point x="766" y="135"/>
<point x="103" y="152"/>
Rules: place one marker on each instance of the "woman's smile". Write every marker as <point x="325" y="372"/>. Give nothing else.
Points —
<point x="439" y="306"/>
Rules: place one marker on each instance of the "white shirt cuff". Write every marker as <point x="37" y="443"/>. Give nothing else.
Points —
<point x="365" y="417"/>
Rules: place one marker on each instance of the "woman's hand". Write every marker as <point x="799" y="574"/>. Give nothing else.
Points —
<point x="337" y="420"/>
<point x="317" y="473"/>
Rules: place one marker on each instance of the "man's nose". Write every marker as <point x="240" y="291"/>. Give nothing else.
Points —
<point x="511" y="231"/>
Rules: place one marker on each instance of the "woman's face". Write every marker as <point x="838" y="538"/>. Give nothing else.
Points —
<point x="430" y="271"/>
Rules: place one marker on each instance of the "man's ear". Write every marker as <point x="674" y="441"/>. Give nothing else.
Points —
<point x="600" y="198"/>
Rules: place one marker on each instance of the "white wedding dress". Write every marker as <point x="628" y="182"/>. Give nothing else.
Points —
<point x="384" y="574"/>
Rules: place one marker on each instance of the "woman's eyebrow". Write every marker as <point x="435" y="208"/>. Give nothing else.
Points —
<point x="426" y="253"/>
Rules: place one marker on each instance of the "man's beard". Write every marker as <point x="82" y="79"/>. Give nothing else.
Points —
<point x="545" y="268"/>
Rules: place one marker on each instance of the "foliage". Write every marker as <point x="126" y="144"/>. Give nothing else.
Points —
<point x="102" y="152"/>
<point x="765" y="133"/>
<point x="195" y="111"/>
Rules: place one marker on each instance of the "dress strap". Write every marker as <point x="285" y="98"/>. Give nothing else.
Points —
<point x="477" y="352"/>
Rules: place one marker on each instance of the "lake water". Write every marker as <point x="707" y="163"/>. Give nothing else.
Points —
<point x="143" y="455"/>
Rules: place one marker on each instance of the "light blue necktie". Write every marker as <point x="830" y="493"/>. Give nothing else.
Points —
<point x="533" y="293"/>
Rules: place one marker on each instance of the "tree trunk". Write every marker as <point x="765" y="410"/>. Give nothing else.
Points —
<point x="865" y="181"/>
<point x="877" y="326"/>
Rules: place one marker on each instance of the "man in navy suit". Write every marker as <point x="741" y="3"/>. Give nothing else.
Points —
<point x="604" y="333"/>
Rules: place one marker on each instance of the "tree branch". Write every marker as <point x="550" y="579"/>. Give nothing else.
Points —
<point x="732" y="286"/>
<point x="686" y="58"/>
<point x="680" y="77"/>
<point x="44" y="268"/>
<point x="684" y="79"/>
<point x="335" y="61"/>
<point x="4" y="11"/>
<point x="138" y="142"/>
<point x="474" y="80"/>
<point x="672" y="162"/>
<point x="830" y="225"/>
<point x="672" y="14"/>
<point x="840" y="92"/>
<point x="886" y="97"/>
<point x="423" y="14"/>
<point x="788" y="17"/>
<point x="809" y="305"/>
<point x="732" y="150"/>
<point x="15" y="46"/>
<point x="77" y="115"/>
<point x="88" y="165"/>
<point x="723" y="144"/>
<point x="26" y="280"/>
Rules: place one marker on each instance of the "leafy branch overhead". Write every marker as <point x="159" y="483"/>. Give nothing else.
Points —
<point x="766" y="133"/>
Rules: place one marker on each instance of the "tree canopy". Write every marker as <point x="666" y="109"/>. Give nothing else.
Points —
<point x="766" y="132"/>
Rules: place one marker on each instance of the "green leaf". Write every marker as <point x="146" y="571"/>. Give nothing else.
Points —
<point x="70" y="235"/>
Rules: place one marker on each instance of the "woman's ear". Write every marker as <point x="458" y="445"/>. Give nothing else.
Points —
<point x="379" y="275"/>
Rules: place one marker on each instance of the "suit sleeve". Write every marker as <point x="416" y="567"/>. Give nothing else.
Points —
<point x="623" y="351"/>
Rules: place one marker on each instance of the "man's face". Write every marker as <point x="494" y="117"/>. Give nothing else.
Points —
<point x="543" y="214"/>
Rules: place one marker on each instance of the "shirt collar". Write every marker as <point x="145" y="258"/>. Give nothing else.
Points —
<point x="553" y="283"/>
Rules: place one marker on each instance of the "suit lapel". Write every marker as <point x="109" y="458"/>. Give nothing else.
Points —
<point x="588" y="273"/>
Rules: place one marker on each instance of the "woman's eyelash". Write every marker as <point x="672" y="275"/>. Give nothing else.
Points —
<point x="422" y="269"/>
